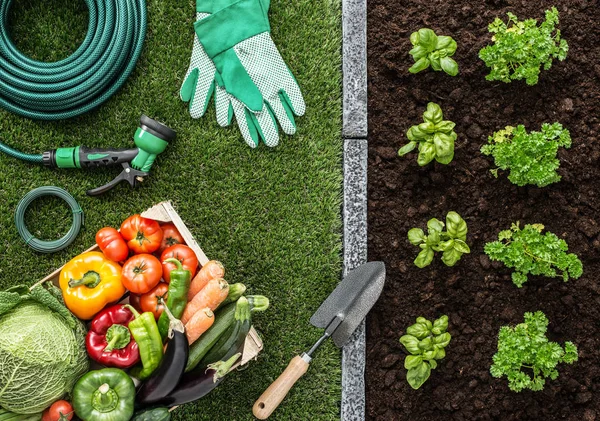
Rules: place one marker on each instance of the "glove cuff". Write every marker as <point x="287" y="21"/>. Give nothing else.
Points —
<point x="231" y="25"/>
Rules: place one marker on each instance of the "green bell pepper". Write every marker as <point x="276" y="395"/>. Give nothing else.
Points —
<point x="104" y="395"/>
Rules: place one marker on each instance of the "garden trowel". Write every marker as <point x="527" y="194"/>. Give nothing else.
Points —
<point x="340" y="314"/>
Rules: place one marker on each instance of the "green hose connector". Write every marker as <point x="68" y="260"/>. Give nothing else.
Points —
<point x="48" y="246"/>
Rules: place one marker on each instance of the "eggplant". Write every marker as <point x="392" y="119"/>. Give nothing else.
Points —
<point x="194" y="386"/>
<point x="167" y="376"/>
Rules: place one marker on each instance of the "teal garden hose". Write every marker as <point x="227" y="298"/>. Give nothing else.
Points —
<point x="48" y="246"/>
<point x="81" y="82"/>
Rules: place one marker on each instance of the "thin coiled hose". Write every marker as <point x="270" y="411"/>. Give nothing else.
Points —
<point x="81" y="82"/>
<point x="42" y="246"/>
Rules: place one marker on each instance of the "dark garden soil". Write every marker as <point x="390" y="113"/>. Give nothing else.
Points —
<point x="478" y="295"/>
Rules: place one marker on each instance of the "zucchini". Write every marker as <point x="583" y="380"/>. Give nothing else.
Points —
<point x="224" y="318"/>
<point x="232" y="341"/>
<point x="155" y="414"/>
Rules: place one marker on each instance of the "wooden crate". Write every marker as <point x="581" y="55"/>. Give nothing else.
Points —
<point x="164" y="212"/>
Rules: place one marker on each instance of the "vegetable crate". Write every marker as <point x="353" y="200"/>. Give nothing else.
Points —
<point x="163" y="213"/>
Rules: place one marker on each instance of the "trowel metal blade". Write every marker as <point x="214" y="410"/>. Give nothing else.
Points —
<point x="352" y="299"/>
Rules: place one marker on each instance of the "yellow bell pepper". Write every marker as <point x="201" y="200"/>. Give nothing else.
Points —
<point x="89" y="282"/>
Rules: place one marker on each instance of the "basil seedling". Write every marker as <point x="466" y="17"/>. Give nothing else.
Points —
<point x="426" y="342"/>
<point x="432" y="50"/>
<point x="451" y="242"/>
<point x="435" y="137"/>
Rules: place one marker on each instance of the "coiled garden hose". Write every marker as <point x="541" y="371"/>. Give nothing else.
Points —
<point x="48" y="246"/>
<point x="81" y="82"/>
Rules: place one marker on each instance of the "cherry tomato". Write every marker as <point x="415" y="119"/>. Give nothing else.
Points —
<point x="171" y="236"/>
<point x="112" y="244"/>
<point x="150" y="300"/>
<point x="143" y="235"/>
<point x="141" y="273"/>
<point x="184" y="254"/>
<point x="59" y="411"/>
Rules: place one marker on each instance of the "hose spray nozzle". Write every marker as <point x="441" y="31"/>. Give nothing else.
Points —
<point x="151" y="139"/>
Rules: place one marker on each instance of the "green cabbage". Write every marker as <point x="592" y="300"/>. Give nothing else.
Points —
<point x="42" y="350"/>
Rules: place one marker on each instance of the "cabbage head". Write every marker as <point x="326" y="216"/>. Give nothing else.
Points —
<point x="42" y="350"/>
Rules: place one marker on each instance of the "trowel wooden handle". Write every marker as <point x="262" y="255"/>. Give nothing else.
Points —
<point x="274" y="395"/>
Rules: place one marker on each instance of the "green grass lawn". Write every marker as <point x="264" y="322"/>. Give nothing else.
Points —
<point x="271" y="215"/>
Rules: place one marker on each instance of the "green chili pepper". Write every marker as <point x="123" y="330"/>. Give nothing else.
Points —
<point x="104" y="395"/>
<point x="177" y="296"/>
<point x="146" y="334"/>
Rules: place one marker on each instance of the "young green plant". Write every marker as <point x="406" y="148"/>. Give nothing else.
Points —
<point x="528" y="251"/>
<point x="435" y="137"/>
<point x="521" y="48"/>
<point x="526" y="357"/>
<point x="451" y="242"/>
<point x="530" y="157"/>
<point x="432" y="50"/>
<point x="426" y="342"/>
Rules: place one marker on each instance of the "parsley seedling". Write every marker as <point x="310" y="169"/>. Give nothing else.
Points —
<point x="425" y="341"/>
<point x="432" y="50"/>
<point x="530" y="252"/>
<point x="530" y="157"/>
<point x="451" y="242"/>
<point x="526" y="357"/>
<point x="521" y="48"/>
<point x="435" y="137"/>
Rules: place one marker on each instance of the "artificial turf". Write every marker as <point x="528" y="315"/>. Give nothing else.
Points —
<point x="272" y="216"/>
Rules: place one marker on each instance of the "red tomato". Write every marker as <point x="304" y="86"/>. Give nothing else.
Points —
<point x="112" y="244"/>
<point x="59" y="411"/>
<point x="141" y="273"/>
<point x="150" y="300"/>
<point x="184" y="254"/>
<point x="171" y="236"/>
<point x="143" y="235"/>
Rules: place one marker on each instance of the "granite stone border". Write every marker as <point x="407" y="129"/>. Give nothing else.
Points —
<point x="354" y="131"/>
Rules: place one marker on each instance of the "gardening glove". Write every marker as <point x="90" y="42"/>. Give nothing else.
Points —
<point x="198" y="88"/>
<point x="237" y="39"/>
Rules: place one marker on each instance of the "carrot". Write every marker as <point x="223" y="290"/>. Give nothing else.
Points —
<point x="211" y="270"/>
<point x="213" y="294"/>
<point x="198" y="324"/>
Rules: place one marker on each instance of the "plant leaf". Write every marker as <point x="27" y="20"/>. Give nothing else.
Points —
<point x="420" y="65"/>
<point x="424" y="258"/>
<point x="456" y="226"/>
<point x="416" y="236"/>
<point x="449" y="66"/>
<point x="411" y="344"/>
<point x="461" y="246"/>
<point x="433" y="114"/>
<point x="450" y="257"/>
<point x="435" y="224"/>
<point x="412" y="361"/>
<point x="426" y="154"/>
<point x="418" y="375"/>
<point x="427" y="38"/>
<point x="407" y="148"/>
<point x="441" y="323"/>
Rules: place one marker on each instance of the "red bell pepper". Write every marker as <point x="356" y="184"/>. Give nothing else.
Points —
<point x="109" y="341"/>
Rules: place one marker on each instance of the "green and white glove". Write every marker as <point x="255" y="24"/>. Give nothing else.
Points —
<point x="198" y="88"/>
<point x="237" y="39"/>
